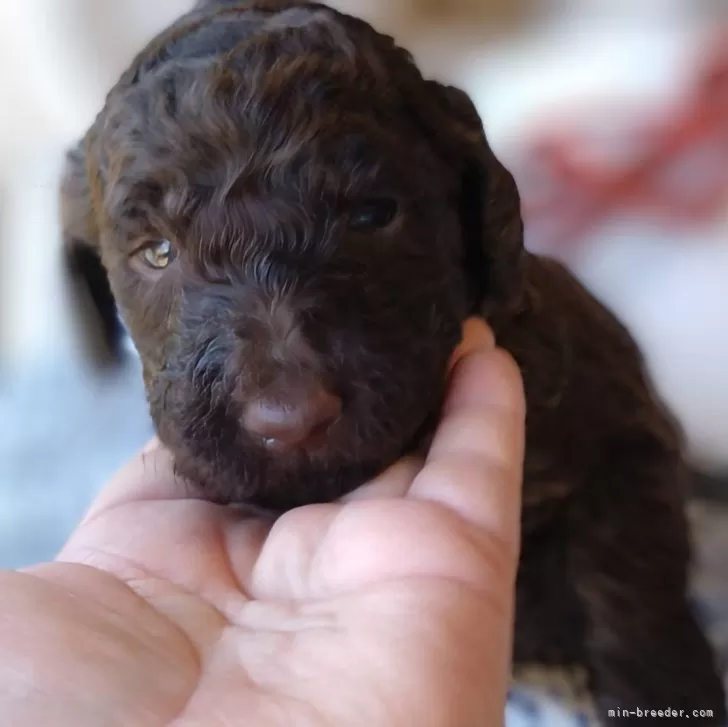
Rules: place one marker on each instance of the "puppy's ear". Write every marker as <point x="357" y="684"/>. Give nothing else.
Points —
<point x="489" y="202"/>
<point x="490" y="208"/>
<point x="100" y="327"/>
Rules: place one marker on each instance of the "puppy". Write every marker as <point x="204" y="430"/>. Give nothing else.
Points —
<point x="295" y="224"/>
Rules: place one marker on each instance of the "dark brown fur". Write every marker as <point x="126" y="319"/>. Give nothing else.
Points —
<point x="242" y="134"/>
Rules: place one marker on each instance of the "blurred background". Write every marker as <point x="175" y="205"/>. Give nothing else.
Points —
<point x="612" y="114"/>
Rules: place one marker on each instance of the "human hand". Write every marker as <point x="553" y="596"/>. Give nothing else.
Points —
<point x="392" y="607"/>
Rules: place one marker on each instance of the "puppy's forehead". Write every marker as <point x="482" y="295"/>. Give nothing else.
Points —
<point x="256" y="51"/>
<point x="264" y="67"/>
<point x="300" y="98"/>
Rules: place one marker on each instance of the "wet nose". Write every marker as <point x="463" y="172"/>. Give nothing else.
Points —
<point x="283" y="426"/>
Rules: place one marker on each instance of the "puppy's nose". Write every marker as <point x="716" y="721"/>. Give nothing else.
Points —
<point x="284" y="426"/>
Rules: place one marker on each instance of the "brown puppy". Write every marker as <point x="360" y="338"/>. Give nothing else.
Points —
<point x="295" y="224"/>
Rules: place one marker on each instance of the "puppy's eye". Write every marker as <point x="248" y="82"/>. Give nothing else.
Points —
<point x="158" y="254"/>
<point x="372" y="214"/>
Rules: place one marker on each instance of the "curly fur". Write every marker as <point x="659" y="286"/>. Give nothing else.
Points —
<point x="242" y="133"/>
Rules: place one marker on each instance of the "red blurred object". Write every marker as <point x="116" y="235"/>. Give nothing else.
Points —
<point x="579" y="196"/>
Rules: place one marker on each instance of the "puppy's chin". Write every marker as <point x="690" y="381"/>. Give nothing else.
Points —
<point x="261" y="479"/>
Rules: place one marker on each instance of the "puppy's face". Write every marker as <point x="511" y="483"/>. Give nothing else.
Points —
<point x="285" y="243"/>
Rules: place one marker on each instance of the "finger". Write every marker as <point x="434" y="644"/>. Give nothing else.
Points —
<point x="393" y="482"/>
<point x="147" y="477"/>
<point x="475" y="463"/>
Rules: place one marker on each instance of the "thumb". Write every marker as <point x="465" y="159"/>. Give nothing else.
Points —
<point x="475" y="463"/>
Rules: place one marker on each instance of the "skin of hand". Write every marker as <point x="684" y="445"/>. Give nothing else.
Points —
<point x="393" y="607"/>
